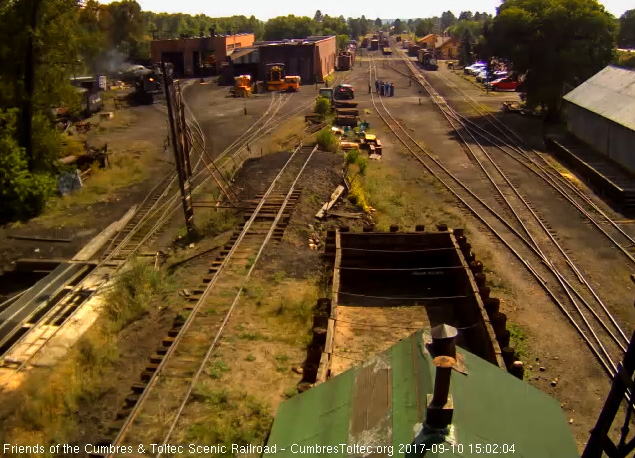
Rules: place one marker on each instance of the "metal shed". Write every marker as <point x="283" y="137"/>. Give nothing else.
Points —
<point x="601" y="112"/>
<point x="383" y="403"/>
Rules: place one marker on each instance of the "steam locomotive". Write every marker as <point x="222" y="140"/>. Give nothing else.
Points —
<point x="148" y="82"/>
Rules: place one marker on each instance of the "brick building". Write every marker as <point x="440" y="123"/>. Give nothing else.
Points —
<point x="312" y="58"/>
<point x="195" y="56"/>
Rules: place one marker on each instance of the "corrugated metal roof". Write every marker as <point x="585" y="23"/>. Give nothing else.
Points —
<point x="609" y="93"/>
<point x="383" y="403"/>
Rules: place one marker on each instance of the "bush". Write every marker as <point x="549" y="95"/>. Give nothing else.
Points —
<point x="355" y="157"/>
<point x="322" y="106"/>
<point x="352" y="156"/>
<point x="22" y="193"/>
<point x="328" y="141"/>
<point x="132" y="295"/>
<point x="626" y="59"/>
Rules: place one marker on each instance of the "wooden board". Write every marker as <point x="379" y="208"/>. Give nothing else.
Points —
<point x="327" y="206"/>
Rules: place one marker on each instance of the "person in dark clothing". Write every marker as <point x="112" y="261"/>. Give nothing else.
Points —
<point x="377" y="86"/>
<point x="392" y="89"/>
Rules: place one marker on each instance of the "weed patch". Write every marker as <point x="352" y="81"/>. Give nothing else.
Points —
<point x="328" y="141"/>
<point x="126" y="168"/>
<point x="251" y="336"/>
<point x="518" y="340"/>
<point x="217" y="369"/>
<point x="232" y="417"/>
<point x="132" y="295"/>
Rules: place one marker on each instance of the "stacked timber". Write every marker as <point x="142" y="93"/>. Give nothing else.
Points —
<point x="347" y="111"/>
<point x="344" y="104"/>
<point x="346" y="120"/>
<point x="413" y="49"/>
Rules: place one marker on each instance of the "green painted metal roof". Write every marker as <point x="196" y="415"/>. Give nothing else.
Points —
<point x="383" y="403"/>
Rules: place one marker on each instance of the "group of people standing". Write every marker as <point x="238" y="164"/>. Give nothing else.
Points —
<point x="384" y="88"/>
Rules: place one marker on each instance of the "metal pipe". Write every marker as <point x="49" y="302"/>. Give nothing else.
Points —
<point x="442" y="380"/>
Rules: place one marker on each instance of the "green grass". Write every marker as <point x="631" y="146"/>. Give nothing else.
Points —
<point x="282" y="358"/>
<point x="518" y="340"/>
<point x="251" y="336"/>
<point x="250" y="358"/>
<point x="405" y="197"/>
<point x="126" y="168"/>
<point x="290" y="392"/>
<point x="229" y="417"/>
<point x="217" y="369"/>
<point x="355" y="157"/>
<point x="132" y="294"/>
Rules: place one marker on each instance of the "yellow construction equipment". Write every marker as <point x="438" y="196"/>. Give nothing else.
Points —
<point x="278" y="81"/>
<point x="242" y="86"/>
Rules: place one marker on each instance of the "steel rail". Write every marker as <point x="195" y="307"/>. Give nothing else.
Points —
<point x="570" y="263"/>
<point x="169" y="177"/>
<point x="211" y="348"/>
<point x="608" y="366"/>
<point x="462" y="120"/>
<point x="553" y="174"/>
<point x="155" y="376"/>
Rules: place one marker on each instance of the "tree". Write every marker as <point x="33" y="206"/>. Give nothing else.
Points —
<point x="378" y="22"/>
<point x="281" y="27"/>
<point x="335" y="25"/>
<point x="399" y="26"/>
<point x="424" y="27"/>
<point x="466" y="16"/>
<point x="554" y="43"/>
<point x="22" y="193"/>
<point x="447" y="20"/>
<point x="626" y="38"/>
<point x="465" y="48"/>
<point x="340" y="41"/>
<point x="364" y="25"/>
<point x="318" y="16"/>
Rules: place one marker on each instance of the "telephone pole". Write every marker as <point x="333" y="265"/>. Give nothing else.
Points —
<point x="177" y="132"/>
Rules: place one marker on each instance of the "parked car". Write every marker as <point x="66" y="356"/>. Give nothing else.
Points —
<point x="475" y="69"/>
<point x="344" y="92"/>
<point x="500" y="74"/>
<point x="483" y="76"/>
<point x="503" y="84"/>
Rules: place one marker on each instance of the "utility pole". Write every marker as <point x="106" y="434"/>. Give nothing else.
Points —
<point x="29" y="84"/>
<point x="186" y="146"/>
<point x="177" y="146"/>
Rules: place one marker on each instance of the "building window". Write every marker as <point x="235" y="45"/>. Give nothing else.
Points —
<point x="238" y="45"/>
<point x="230" y="46"/>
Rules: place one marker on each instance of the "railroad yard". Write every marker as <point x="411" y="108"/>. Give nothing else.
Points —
<point x="318" y="252"/>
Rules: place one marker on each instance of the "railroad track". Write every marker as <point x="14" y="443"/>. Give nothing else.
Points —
<point x="154" y="211"/>
<point x="154" y="407"/>
<point x="529" y="239"/>
<point x="496" y="133"/>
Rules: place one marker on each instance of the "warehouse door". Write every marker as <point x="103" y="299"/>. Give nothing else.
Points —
<point x="177" y="60"/>
<point x="196" y="63"/>
<point x="305" y="70"/>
